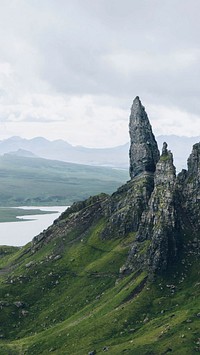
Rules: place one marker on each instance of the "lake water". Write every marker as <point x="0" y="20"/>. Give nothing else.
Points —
<point x="20" y="233"/>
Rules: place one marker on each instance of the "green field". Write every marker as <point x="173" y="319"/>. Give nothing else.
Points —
<point x="10" y="214"/>
<point x="37" y="182"/>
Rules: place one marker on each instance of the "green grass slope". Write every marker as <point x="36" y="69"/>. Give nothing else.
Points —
<point x="67" y="298"/>
<point x="36" y="181"/>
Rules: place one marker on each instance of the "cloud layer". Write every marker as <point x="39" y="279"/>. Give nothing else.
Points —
<point x="71" y="69"/>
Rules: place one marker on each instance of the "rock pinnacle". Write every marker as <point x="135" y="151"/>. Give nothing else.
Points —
<point x="144" y="153"/>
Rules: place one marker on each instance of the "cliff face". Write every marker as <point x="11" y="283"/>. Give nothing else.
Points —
<point x="144" y="153"/>
<point x="189" y="183"/>
<point x="157" y="236"/>
<point x="152" y="211"/>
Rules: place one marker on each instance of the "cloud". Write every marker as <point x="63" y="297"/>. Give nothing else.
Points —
<point x="170" y="122"/>
<point x="79" y="64"/>
<point x="79" y="120"/>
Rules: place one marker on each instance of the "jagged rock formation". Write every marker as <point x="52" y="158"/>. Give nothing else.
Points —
<point x="144" y="153"/>
<point x="163" y="216"/>
<point x="188" y="186"/>
<point x="125" y="207"/>
<point x="152" y="211"/>
<point x="71" y="280"/>
<point x="158" y="230"/>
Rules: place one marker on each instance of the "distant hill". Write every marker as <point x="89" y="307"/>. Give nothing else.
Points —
<point x="181" y="147"/>
<point x="23" y="153"/>
<point x="63" y="151"/>
<point x="38" y="181"/>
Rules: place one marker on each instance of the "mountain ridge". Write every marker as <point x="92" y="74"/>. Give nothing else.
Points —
<point x="113" y="157"/>
<point x="114" y="273"/>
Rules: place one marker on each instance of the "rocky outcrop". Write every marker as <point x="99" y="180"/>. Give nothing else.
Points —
<point x="192" y="189"/>
<point x="161" y="225"/>
<point x="188" y="186"/>
<point x="154" y="211"/>
<point x="126" y="205"/>
<point x="144" y="153"/>
<point x="157" y="237"/>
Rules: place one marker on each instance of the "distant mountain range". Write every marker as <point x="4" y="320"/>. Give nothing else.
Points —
<point x="112" y="157"/>
<point x="63" y="151"/>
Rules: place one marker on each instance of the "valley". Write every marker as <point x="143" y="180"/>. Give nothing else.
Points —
<point x="42" y="182"/>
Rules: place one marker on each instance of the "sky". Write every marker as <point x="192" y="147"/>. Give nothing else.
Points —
<point x="70" y="69"/>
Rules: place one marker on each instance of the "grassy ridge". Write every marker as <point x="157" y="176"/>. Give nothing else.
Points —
<point x="36" y="181"/>
<point x="76" y="303"/>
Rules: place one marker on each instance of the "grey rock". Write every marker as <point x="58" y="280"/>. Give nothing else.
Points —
<point x="19" y="304"/>
<point x="125" y="207"/>
<point x="144" y="153"/>
<point x="57" y="257"/>
<point x="188" y="186"/>
<point x="4" y="304"/>
<point x="164" y="149"/>
<point x="31" y="263"/>
<point x="105" y="348"/>
<point x="24" y="312"/>
<point x="156" y="240"/>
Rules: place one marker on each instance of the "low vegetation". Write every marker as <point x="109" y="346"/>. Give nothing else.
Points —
<point x="68" y="298"/>
<point x="43" y="182"/>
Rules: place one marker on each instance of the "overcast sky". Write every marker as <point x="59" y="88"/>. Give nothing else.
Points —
<point x="70" y="69"/>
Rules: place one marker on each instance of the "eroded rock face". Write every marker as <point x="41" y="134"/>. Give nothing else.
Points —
<point x="194" y="161"/>
<point x="144" y="153"/>
<point x="158" y="231"/>
<point x="188" y="186"/>
<point x="126" y="205"/>
<point x="162" y="216"/>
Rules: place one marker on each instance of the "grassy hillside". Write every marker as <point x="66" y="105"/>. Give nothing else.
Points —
<point x="35" y="181"/>
<point x="67" y="298"/>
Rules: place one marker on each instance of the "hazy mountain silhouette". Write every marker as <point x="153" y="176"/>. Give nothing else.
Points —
<point x="114" y="157"/>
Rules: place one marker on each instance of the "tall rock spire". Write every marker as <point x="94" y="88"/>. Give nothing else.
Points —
<point x="144" y="153"/>
<point x="159" y="227"/>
